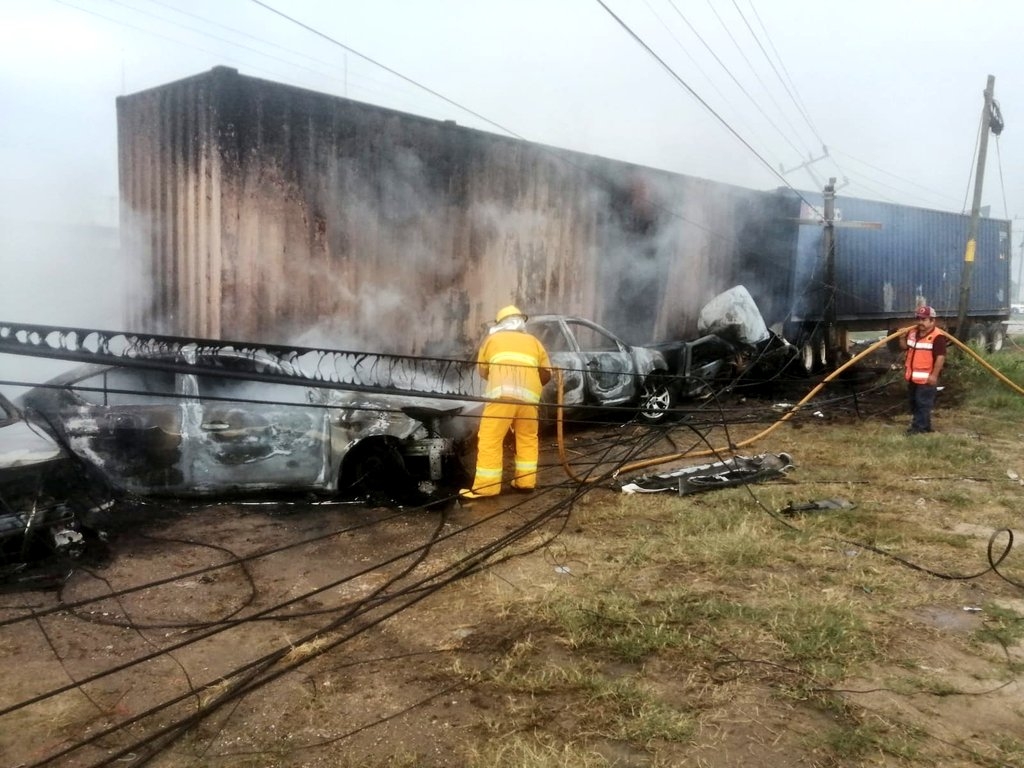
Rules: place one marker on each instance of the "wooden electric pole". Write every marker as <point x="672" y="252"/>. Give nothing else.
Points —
<point x="829" y="236"/>
<point x="972" y="235"/>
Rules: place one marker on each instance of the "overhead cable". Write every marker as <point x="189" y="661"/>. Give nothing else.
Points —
<point x="753" y="69"/>
<point x="388" y="69"/>
<point x="929" y="190"/>
<point x="794" y="94"/>
<point x="703" y="103"/>
<point x="739" y="85"/>
<point x="695" y="63"/>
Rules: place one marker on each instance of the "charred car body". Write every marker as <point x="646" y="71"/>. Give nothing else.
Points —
<point x="735" y="345"/>
<point x="219" y="429"/>
<point x="39" y="483"/>
<point x="599" y="369"/>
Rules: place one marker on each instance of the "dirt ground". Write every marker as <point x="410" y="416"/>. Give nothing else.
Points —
<point x="366" y="633"/>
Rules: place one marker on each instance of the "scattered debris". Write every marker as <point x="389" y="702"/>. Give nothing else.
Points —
<point x="738" y="470"/>
<point x="814" y="506"/>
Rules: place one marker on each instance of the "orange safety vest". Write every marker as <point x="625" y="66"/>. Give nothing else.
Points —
<point x="920" y="359"/>
<point x="509" y="361"/>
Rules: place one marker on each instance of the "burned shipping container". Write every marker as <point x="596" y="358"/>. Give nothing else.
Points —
<point x="264" y="211"/>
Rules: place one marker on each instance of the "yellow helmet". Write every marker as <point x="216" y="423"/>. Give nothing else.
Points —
<point x="508" y="311"/>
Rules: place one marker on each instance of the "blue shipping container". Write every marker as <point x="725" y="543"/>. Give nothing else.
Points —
<point x="915" y="257"/>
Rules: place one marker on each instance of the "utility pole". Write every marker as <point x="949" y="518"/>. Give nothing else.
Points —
<point x="829" y="238"/>
<point x="833" y="339"/>
<point x="972" y="235"/>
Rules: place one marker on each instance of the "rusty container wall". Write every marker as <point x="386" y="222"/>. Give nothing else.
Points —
<point x="274" y="213"/>
<point x="170" y="217"/>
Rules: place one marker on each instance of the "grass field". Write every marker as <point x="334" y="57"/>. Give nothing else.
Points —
<point x="715" y="630"/>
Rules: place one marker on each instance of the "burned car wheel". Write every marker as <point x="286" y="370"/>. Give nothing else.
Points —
<point x="374" y="469"/>
<point x="657" y="398"/>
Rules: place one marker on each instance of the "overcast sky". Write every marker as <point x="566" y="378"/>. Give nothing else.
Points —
<point x="894" y="89"/>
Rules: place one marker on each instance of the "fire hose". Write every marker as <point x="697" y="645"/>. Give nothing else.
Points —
<point x="655" y="461"/>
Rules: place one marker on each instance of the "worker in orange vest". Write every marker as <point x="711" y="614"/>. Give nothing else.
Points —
<point x="926" y="354"/>
<point x="515" y="367"/>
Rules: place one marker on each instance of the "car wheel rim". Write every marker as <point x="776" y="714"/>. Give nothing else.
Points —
<point x="656" y="402"/>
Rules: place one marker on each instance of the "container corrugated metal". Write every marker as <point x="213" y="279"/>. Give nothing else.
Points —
<point x="915" y="257"/>
<point x="263" y="211"/>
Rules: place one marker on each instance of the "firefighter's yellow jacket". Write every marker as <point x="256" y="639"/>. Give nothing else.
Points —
<point x="515" y="366"/>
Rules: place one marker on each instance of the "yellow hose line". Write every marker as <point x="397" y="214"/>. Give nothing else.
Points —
<point x="644" y="463"/>
<point x="984" y="363"/>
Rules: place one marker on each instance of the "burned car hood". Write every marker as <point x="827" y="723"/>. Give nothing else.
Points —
<point x="23" y="444"/>
<point x="733" y="315"/>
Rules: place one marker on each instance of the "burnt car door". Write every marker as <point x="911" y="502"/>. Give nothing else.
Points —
<point x="565" y="357"/>
<point x="608" y="366"/>
<point x="127" y="423"/>
<point x="246" y="434"/>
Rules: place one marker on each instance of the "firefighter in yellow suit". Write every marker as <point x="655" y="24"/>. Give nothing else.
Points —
<point x="515" y="367"/>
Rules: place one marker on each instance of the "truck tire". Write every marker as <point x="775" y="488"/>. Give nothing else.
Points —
<point x="812" y="352"/>
<point x="658" y="397"/>
<point x="977" y="337"/>
<point x="996" y="337"/>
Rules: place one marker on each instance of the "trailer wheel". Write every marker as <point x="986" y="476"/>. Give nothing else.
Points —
<point x="996" y="337"/>
<point x="977" y="337"/>
<point x="812" y="352"/>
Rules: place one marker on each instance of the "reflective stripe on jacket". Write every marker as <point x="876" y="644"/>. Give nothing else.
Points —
<point x="920" y="359"/>
<point x="509" y="361"/>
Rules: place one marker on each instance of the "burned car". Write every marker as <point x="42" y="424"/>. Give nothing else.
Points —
<point x="735" y="346"/>
<point x="219" y="429"/>
<point x="599" y="369"/>
<point x="38" y="485"/>
<point x="758" y="353"/>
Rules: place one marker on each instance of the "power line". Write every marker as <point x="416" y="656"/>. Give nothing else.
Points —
<point x="236" y="31"/>
<point x="795" y="94"/>
<point x="946" y="200"/>
<point x="934" y="192"/>
<point x="999" y="157"/>
<point x="217" y="55"/>
<point x="695" y="63"/>
<point x="982" y="126"/>
<point x="330" y="66"/>
<point x="703" y="103"/>
<point x="388" y="69"/>
<point x="723" y="65"/>
<point x="753" y="69"/>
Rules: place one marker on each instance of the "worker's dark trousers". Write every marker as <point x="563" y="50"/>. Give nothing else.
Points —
<point x="922" y="400"/>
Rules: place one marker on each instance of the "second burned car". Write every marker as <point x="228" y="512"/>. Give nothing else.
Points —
<point x="600" y="370"/>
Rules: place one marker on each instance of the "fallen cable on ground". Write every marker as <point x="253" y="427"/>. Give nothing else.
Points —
<point x="707" y="477"/>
